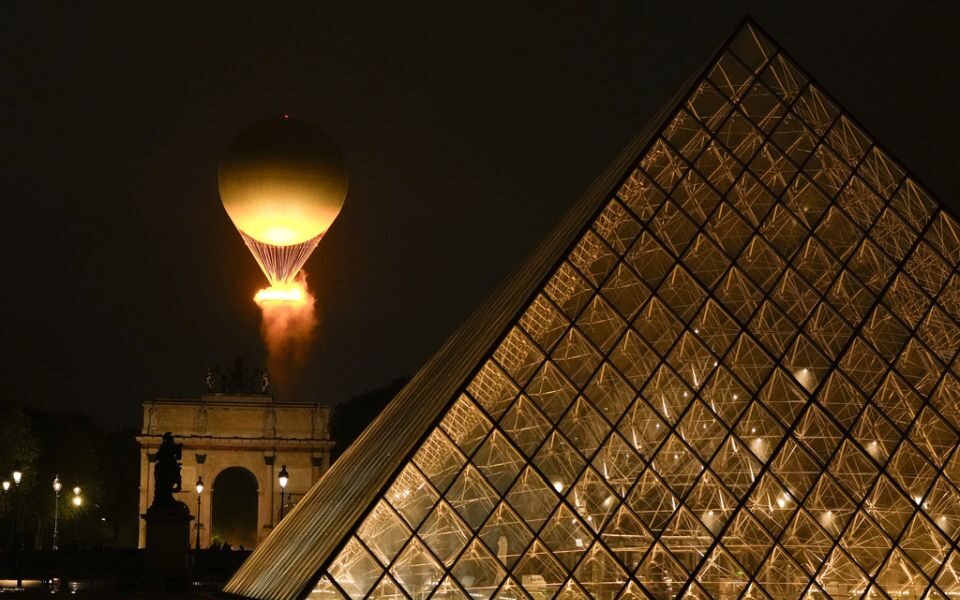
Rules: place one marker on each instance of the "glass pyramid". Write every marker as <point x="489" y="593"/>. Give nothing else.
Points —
<point x="740" y="381"/>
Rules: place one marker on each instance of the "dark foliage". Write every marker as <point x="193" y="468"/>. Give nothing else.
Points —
<point x="350" y="418"/>
<point x="105" y="465"/>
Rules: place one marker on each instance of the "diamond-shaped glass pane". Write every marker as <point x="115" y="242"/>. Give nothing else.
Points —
<point x="355" y="570"/>
<point x="478" y="571"/>
<point x="505" y="534"/>
<point x="384" y="532"/>
<point x="416" y="570"/>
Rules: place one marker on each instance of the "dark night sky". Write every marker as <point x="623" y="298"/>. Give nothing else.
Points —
<point x="468" y="129"/>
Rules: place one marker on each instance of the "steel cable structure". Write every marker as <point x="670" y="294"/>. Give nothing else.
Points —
<point x="280" y="263"/>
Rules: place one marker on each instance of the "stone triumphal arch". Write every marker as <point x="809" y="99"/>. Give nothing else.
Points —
<point x="229" y="433"/>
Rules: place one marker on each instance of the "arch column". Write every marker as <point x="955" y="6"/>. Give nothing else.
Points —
<point x="203" y="519"/>
<point x="146" y="493"/>
<point x="267" y="514"/>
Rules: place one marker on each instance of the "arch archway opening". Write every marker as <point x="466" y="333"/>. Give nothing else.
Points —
<point x="234" y="508"/>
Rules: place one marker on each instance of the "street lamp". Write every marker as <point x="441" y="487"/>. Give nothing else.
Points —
<point x="6" y="488"/>
<point x="57" y="486"/>
<point x="199" y="492"/>
<point x="283" y="478"/>
<point x="77" y="501"/>
<point x="17" y="477"/>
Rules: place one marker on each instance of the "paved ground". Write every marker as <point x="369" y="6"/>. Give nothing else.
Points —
<point x="32" y="594"/>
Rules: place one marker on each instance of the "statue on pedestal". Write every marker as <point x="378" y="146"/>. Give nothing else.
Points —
<point x="166" y="473"/>
<point x="168" y="520"/>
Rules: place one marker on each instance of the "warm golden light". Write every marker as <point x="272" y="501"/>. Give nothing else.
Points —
<point x="282" y="215"/>
<point x="293" y="294"/>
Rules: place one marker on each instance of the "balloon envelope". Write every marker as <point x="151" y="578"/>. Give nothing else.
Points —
<point x="282" y="181"/>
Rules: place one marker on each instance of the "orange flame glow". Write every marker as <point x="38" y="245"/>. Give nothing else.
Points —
<point x="294" y="293"/>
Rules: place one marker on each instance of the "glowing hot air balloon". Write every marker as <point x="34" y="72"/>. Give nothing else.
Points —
<point x="282" y="182"/>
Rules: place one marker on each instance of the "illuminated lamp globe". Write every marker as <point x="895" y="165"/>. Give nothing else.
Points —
<point x="282" y="182"/>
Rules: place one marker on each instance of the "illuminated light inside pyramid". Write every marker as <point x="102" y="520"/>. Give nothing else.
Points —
<point x="741" y="382"/>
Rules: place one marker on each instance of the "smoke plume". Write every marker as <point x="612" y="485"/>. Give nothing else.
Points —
<point x="289" y="323"/>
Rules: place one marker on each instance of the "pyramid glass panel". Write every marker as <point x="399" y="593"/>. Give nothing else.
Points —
<point x="506" y="534"/>
<point x="732" y="373"/>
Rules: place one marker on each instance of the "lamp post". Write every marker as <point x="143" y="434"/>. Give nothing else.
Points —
<point x="17" y="477"/>
<point x="57" y="486"/>
<point x="199" y="492"/>
<point x="6" y="488"/>
<point x="77" y="501"/>
<point x="283" y="478"/>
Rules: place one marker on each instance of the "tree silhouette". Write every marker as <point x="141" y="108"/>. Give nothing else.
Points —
<point x="350" y="418"/>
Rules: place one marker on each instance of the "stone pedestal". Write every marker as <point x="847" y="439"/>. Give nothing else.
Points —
<point x="168" y="539"/>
